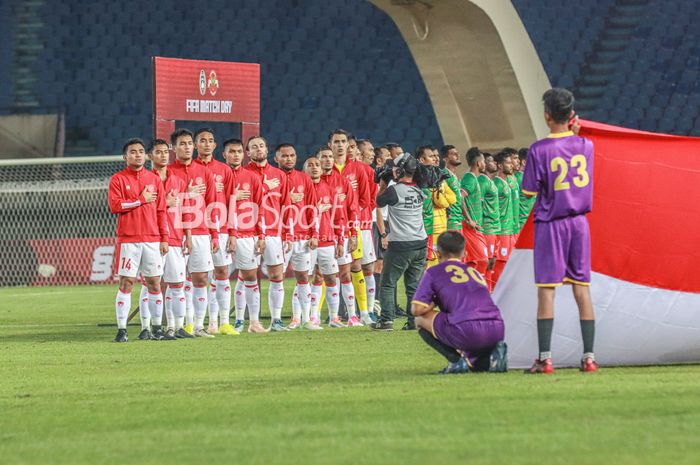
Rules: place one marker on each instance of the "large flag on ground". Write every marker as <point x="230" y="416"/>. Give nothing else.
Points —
<point x="645" y="246"/>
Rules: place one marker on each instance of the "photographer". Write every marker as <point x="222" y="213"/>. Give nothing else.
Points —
<point x="406" y="251"/>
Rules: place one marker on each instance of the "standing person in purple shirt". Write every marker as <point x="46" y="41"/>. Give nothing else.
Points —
<point x="468" y="330"/>
<point x="559" y="171"/>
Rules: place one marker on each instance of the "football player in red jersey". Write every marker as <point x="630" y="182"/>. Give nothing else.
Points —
<point x="220" y="290"/>
<point x="201" y="192"/>
<point x="302" y="232"/>
<point x="275" y="206"/>
<point x="136" y="195"/>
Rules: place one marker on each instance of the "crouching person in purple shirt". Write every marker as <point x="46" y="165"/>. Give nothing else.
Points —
<point x="468" y="330"/>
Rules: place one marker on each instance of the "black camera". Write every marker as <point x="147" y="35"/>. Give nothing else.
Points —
<point x="384" y="173"/>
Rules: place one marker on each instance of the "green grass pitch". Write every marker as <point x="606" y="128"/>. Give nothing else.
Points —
<point x="69" y="395"/>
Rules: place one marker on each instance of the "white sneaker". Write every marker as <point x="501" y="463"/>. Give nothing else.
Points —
<point x="201" y="332"/>
<point x="213" y="328"/>
<point x="311" y="326"/>
<point x="366" y="320"/>
<point x="294" y="324"/>
<point x="336" y="323"/>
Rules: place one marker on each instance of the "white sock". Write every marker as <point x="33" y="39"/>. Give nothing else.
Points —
<point x="304" y="300"/>
<point x="316" y="290"/>
<point x="155" y="306"/>
<point x="239" y="299"/>
<point x="122" y="305"/>
<point x="252" y="298"/>
<point x="144" y="312"/>
<point x="213" y="305"/>
<point x="275" y="299"/>
<point x="168" y="305"/>
<point x="371" y="291"/>
<point x="179" y="304"/>
<point x="333" y="300"/>
<point x="199" y="300"/>
<point x="189" y="303"/>
<point x="223" y="297"/>
<point x="296" y="304"/>
<point x="349" y="298"/>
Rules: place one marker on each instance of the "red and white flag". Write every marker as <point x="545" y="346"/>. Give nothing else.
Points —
<point x="645" y="258"/>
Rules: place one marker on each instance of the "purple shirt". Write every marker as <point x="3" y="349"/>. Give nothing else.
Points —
<point x="559" y="170"/>
<point x="459" y="290"/>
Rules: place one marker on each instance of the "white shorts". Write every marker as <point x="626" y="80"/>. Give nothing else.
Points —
<point x="368" y="253"/>
<point x="222" y="258"/>
<point x="299" y="256"/>
<point x="140" y="258"/>
<point x="347" y="258"/>
<point x="245" y="258"/>
<point x="174" y="266"/>
<point x="199" y="260"/>
<point x="274" y="251"/>
<point x="324" y="257"/>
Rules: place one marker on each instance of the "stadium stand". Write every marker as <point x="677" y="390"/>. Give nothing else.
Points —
<point x="358" y="72"/>
<point x="634" y="63"/>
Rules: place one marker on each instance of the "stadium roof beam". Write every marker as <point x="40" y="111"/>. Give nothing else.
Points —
<point x="482" y="72"/>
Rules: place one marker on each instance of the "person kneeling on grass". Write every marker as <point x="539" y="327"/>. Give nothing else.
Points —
<point x="468" y="330"/>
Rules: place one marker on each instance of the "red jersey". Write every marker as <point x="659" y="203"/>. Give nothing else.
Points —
<point x="275" y="201"/>
<point x="195" y="213"/>
<point x="303" y="213"/>
<point x="343" y="209"/>
<point x="177" y="187"/>
<point x="355" y="173"/>
<point x="366" y="213"/>
<point x="245" y="216"/>
<point x="221" y="173"/>
<point x="138" y="221"/>
<point x="329" y="230"/>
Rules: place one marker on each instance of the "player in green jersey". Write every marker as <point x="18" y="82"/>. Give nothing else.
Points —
<point x="505" y="213"/>
<point x="477" y="250"/>
<point x="526" y="203"/>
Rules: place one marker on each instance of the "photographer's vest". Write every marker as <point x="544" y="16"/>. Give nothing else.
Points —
<point x="406" y="230"/>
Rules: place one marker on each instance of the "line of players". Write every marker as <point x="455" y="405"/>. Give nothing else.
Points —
<point x="182" y="221"/>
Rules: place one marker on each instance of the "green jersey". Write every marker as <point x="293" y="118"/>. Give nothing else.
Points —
<point x="491" y="224"/>
<point x="526" y="203"/>
<point x="515" y="202"/>
<point x="428" y="211"/>
<point x="474" y="199"/>
<point x="454" y="211"/>
<point x="505" y="199"/>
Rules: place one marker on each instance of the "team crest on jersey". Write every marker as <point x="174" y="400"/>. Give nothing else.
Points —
<point x="202" y="82"/>
<point x="339" y="190"/>
<point x="246" y="186"/>
<point x="326" y="199"/>
<point x="199" y="180"/>
<point x="300" y="189"/>
<point x="219" y="178"/>
<point x="351" y="177"/>
<point x="151" y="188"/>
<point x="213" y="83"/>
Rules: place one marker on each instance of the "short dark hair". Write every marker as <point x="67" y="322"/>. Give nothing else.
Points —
<point x="247" y="143"/>
<point x="155" y="142"/>
<point x="501" y="156"/>
<point x="132" y="141"/>
<point x="232" y="141"/>
<point x="510" y="151"/>
<point x="179" y="133"/>
<point x="392" y="145"/>
<point x="444" y="149"/>
<point x="351" y="136"/>
<point x="362" y="141"/>
<point x="558" y="104"/>
<point x="201" y="130"/>
<point x="339" y="131"/>
<point x="422" y="148"/>
<point x="321" y="149"/>
<point x="473" y="155"/>
<point x="283" y="145"/>
<point x="378" y="152"/>
<point x="522" y="153"/>
<point x="451" y="243"/>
